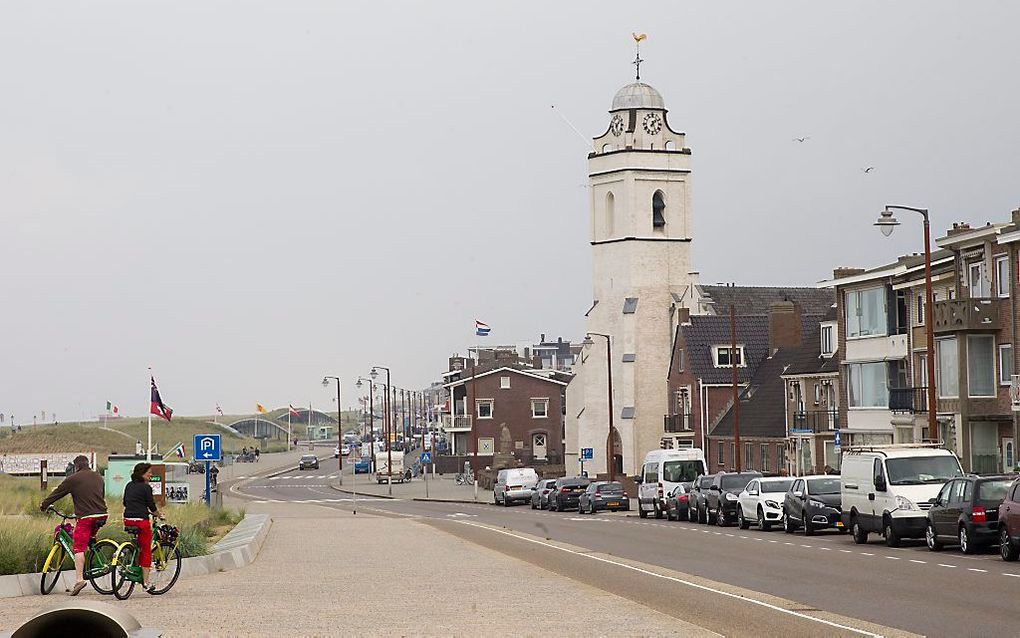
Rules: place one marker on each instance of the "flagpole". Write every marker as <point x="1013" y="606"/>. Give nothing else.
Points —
<point x="288" y="426"/>
<point x="148" y="436"/>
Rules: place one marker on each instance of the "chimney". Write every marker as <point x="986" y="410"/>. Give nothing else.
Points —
<point x="542" y="340"/>
<point x="845" y="271"/>
<point x="683" y="315"/>
<point x="784" y="325"/>
<point x="958" y="228"/>
<point x="1016" y="216"/>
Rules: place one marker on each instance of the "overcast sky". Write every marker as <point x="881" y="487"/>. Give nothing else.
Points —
<point x="248" y="195"/>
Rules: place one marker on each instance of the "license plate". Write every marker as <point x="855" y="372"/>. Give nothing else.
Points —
<point x="614" y="503"/>
<point x="839" y="523"/>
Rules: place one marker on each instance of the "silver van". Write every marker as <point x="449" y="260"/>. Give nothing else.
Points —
<point x="514" y="485"/>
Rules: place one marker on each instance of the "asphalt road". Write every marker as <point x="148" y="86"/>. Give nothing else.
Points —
<point x="909" y="588"/>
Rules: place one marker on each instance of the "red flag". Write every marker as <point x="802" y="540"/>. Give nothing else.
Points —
<point x="156" y="405"/>
<point x="293" y="412"/>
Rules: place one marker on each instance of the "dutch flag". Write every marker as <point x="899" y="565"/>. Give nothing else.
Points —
<point x="481" y="329"/>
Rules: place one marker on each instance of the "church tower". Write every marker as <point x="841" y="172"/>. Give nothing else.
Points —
<point x="640" y="233"/>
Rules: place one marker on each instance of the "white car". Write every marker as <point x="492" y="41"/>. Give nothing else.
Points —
<point x="761" y="502"/>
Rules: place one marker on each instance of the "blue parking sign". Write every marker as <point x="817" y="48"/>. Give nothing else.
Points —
<point x="587" y="453"/>
<point x="208" y="448"/>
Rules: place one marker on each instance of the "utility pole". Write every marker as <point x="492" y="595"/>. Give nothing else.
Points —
<point x="736" y="388"/>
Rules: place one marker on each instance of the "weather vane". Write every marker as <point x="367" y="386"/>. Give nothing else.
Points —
<point x="638" y="37"/>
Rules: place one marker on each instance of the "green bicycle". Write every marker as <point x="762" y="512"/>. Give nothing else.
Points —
<point x="98" y="557"/>
<point x="166" y="562"/>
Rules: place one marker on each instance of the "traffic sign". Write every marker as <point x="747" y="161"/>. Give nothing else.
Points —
<point x="587" y="453"/>
<point x="208" y="448"/>
<point x="835" y="440"/>
<point x="426" y="458"/>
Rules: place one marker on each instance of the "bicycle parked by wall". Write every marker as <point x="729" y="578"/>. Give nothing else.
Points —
<point x="166" y="562"/>
<point x="98" y="557"/>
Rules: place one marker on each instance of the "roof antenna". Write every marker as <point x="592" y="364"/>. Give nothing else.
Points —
<point x="638" y="37"/>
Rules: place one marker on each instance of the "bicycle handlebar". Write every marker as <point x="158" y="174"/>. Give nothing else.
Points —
<point x="52" y="510"/>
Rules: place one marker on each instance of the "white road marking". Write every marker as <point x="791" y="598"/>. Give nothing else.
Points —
<point x="920" y="562"/>
<point x="893" y="557"/>
<point x="846" y="551"/>
<point x="825" y="549"/>
<point x="866" y="554"/>
<point x="807" y="546"/>
<point x="944" y="565"/>
<point x="981" y="571"/>
<point x="1011" y="575"/>
<point x="681" y="581"/>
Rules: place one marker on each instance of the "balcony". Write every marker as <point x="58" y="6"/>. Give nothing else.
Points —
<point x="673" y="423"/>
<point x="955" y="315"/>
<point x="815" y="422"/>
<point x="456" y="422"/>
<point x="909" y="400"/>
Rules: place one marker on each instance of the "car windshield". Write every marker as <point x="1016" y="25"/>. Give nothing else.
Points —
<point x="307" y="458"/>
<point x="919" y="470"/>
<point x="679" y="471"/>
<point x="823" y="486"/>
<point x="705" y="481"/>
<point x="993" y="490"/>
<point x="776" y="486"/>
<point x="736" y="481"/>
<point x="612" y="488"/>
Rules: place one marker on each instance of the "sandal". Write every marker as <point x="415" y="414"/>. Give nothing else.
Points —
<point x="78" y="586"/>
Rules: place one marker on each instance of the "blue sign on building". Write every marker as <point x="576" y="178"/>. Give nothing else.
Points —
<point x="208" y="448"/>
<point x="587" y="453"/>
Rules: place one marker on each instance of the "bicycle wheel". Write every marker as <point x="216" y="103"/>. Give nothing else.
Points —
<point x="123" y="559"/>
<point x="51" y="569"/>
<point x="98" y="561"/>
<point x="166" y="567"/>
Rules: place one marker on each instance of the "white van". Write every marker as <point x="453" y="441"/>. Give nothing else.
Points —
<point x="514" y="485"/>
<point x="888" y="489"/>
<point x="661" y="472"/>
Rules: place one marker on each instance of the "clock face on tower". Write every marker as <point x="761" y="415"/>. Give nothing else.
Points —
<point x="652" y="123"/>
<point x="616" y="125"/>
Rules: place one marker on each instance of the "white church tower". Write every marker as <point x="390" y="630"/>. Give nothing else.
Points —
<point x="639" y="181"/>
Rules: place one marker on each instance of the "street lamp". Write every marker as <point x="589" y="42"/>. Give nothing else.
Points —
<point x="339" y="425"/>
<point x="887" y="223"/>
<point x="388" y="426"/>
<point x="371" y="422"/>
<point x="610" y="461"/>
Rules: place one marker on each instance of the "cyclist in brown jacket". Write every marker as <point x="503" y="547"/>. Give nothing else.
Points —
<point x="89" y="496"/>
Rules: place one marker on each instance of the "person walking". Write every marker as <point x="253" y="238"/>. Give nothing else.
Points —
<point x="88" y="494"/>
<point x="138" y="504"/>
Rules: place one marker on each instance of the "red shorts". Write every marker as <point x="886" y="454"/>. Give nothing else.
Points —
<point x="84" y="530"/>
<point x="144" y="539"/>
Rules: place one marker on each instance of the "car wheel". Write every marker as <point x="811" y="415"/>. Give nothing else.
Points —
<point x="860" y="536"/>
<point x="741" y="521"/>
<point x="552" y="505"/>
<point x="591" y="509"/>
<point x="703" y="515"/>
<point x="720" y="518"/>
<point x="506" y="501"/>
<point x="669" y="514"/>
<point x="641" y="512"/>
<point x="655" y="508"/>
<point x="1007" y="549"/>
<point x="809" y="527"/>
<point x="966" y="545"/>
<point x="891" y="539"/>
<point x="763" y="525"/>
<point x="787" y="524"/>
<point x="931" y="539"/>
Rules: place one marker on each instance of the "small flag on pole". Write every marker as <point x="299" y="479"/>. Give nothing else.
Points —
<point x="109" y="406"/>
<point x="260" y="409"/>
<point x="177" y="450"/>
<point x="156" y="405"/>
<point x="481" y="329"/>
<point x="219" y="409"/>
<point x="293" y="411"/>
<point x="116" y="410"/>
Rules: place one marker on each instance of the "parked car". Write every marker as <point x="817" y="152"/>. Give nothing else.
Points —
<point x="514" y="485"/>
<point x="603" y="495"/>
<point x="966" y="512"/>
<point x="813" y="503"/>
<point x="661" y="471"/>
<point x="697" y="506"/>
<point x="336" y="452"/>
<point x="1009" y="523"/>
<point x="308" y="462"/>
<point x="540" y="495"/>
<point x="889" y="488"/>
<point x="721" y="497"/>
<point x="678" y="502"/>
<point x="566" y="493"/>
<point x="761" y="502"/>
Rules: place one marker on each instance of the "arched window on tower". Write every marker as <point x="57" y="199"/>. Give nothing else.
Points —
<point x="670" y="146"/>
<point x="658" y="210"/>
<point x="610" y="213"/>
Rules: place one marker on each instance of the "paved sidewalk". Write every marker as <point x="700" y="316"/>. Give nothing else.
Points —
<point x="325" y="572"/>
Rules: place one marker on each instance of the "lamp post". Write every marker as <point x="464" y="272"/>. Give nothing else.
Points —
<point x="371" y="423"/>
<point x="339" y="426"/>
<point x="887" y="223"/>
<point x="610" y="461"/>
<point x="387" y="427"/>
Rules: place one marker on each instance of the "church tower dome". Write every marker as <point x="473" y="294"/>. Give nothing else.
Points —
<point x="637" y="95"/>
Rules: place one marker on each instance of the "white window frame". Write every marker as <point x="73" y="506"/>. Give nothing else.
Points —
<point x="717" y="351"/>
<point x="828" y="347"/>
<point x="976" y="279"/>
<point x="971" y="339"/>
<point x="883" y="328"/>
<point x="920" y="310"/>
<point x="764" y="457"/>
<point x="722" y="453"/>
<point x="489" y="402"/>
<point x="504" y="383"/>
<point x="938" y="367"/>
<point x="748" y="456"/>
<point x="1002" y="276"/>
<point x="540" y="401"/>
<point x="851" y="396"/>
<point x="1005" y="354"/>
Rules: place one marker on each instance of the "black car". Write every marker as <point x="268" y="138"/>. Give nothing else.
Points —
<point x="309" y="461"/>
<point x="966" y="513"/>
<point x="540" y="496"/>
<point x="721" y="496"/>
<point x="678" y="502"/>
<point x="603" y="495"/>
<point x="813" y="503"/>
<point x="566" y="493"/>
<point x="697" y="509"/>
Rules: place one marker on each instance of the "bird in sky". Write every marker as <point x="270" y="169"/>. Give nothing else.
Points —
<point x="868" y="169"/>
<point x="802" y="139"/>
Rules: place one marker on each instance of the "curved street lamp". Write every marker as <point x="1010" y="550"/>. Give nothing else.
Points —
<point x="610" y="461"/>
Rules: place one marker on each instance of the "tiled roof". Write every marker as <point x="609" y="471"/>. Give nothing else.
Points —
<point x="755" y="300"/>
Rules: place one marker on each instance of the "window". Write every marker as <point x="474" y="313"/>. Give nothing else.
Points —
<point x="922" y="366"/>
<point x="610" y="213"/>
<point x="1005" y="363"/>
<point x="539" y="408"/>
<point x="680" y="360"/>
<point x="902" y="310"/>
<point x="658" y="210"/>
<point x="866" y="313"/>
<point x="981" y="365"/>
<point x="977" y="279"/>
<point x="1002" y="276"/>
<point x="828" y="345"/>
<point x="748" y="456"/>
<point x="919" y="305"/>
<point x="868" y="385"/>
<point x="722" y="453"/>
<point x="722" y="356"/>
<point x="485" y="409"/>
<point x="733" y="454"/>
<point x="504" y="383"/>
<point x="948" y="381"/>
<point x="818" y="393"/>
<point x="764" y="457"/>
<point x="651" y="473"/>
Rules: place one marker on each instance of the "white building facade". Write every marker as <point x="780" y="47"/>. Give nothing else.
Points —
<point x="640" y="232"/>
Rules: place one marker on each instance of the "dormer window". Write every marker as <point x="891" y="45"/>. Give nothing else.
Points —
<point x="721" y="356"/>
<point x="828" y="334"/>
<point x="658" y="210"/>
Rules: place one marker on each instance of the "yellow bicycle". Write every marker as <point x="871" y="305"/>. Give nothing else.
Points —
<point x="166" y="562"/>
<point x="98" y="557"/>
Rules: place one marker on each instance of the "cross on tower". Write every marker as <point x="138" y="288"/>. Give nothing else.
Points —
<point x="638" y="37"/>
